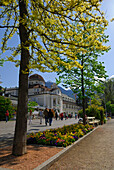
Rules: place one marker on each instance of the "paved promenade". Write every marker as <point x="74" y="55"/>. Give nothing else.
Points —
<point x="95" y="152"/>
<point x="7" y="129"/>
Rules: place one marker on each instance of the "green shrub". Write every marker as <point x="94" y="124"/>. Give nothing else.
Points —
<point x="31" y="106"/>
<point x="112" y="108"/>
<point x="5" y="104"/>
<point x="101" y="110"/>
<point x="92" y="110"/>
<point x="104" y="119"/>
<point x="98" y="116"/>
<point x="80" y="112"/>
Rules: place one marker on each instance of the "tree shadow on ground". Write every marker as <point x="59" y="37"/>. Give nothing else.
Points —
<point x="7" y="159"/>
<point x="38" y="126"/>
<point x="32" y="130"/>
<point x="6" y="140"/>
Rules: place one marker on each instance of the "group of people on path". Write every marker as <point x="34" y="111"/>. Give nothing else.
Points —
<point x="48" y="115"/>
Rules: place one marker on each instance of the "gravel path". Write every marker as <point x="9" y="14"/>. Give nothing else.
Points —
<point x="95" y="152"/>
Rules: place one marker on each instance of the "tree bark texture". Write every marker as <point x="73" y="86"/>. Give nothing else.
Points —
<point x="19" y="143"/>
<point x="83" y="93"/>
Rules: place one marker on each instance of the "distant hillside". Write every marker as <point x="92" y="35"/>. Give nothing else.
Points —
<point x="48" y="84"/>
<point x="67" y="92"/>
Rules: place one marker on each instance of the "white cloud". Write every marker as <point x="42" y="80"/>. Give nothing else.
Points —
<point x="103" y="79"/>
<point x="111" y="77"/>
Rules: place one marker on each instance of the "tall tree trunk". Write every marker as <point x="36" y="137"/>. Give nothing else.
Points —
<point x="83" y="92"/>
<point x="19" y="143"/>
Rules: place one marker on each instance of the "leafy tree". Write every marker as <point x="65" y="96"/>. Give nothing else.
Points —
<point x="1" y="90"/>
<point x="109" y="90"/>
<point x="31" y="106"/>
<point x="107" y="96"/>
<point x="101" y="110"/>
<point x="95" y="107"/>
<point x="45" y="31"/>
<point x="94" y="110"/>
<point x="96" y="100"/>
<point x="1" y="62"/>
<point x="86" y="81"/>
<point x="112" y="19"/>
<point x="110" y="108"/>
<point x="5" y="104"/>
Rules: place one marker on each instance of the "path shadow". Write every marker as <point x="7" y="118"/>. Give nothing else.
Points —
<point x="38" y="125"/>
<point x="6" y="140"/>
<point x="6" y="157"/>
<point x="32" y="130"/>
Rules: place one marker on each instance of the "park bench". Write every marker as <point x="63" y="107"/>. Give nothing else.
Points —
<point x="93" y="121"/>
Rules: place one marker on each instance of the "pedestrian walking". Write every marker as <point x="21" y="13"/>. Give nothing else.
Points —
<point x="30" y="117"/>
<point x="65" y="115"/>
<point x="7" y="115"/>
<point x="41" y="115"/>
<point x="75" y="115"/>
<point x="61" y="116"/>
<point x="78" y="116"/>
<point x="56" y="114"/>
<point x="50" y="115"/>
<point x="46" y="116"/>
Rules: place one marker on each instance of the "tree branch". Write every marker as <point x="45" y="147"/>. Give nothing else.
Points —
<point x="8" y="26"/>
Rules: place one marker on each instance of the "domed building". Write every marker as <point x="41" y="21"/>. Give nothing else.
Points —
<point x="36" y="79"/>
<point x="46" y="97"/>
<point x="50" y="97"/>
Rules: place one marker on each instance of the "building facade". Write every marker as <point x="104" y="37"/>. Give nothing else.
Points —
<point x="46" y="97"/>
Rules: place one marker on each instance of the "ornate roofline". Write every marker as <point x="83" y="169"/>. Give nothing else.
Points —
<point x="36" y="77"/>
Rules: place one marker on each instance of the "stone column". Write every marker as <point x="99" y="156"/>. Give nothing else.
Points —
<point x="45" y="103"/>
<point x="56" y="104"/>
<point x="61" y="105"/>
<point x="51" y="102"/>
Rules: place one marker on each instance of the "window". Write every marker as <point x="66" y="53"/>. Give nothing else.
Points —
<point x="54" y="102"/>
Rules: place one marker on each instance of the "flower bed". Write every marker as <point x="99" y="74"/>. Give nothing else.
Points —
<point x="59" y="137"/>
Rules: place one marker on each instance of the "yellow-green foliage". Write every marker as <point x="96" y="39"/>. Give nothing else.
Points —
<point x="101" y="110"/>
<point x="80" y="112"/>
<point x="96" y="100"/>
<point x="112" y="19"/>
<point x="56" y="28"/>
<point x="94" y="111"/>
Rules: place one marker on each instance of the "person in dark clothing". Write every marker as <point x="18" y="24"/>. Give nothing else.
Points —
<point x="50" y="115"/>
<point x="56" y="115"/>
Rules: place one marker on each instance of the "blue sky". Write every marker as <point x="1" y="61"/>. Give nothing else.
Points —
<point x="9" y="74"/>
